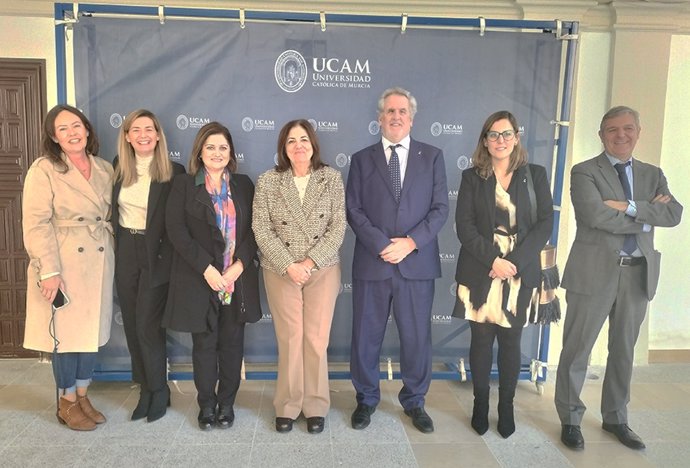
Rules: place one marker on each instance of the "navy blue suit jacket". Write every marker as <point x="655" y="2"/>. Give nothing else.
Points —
<point x="375" y="216"/>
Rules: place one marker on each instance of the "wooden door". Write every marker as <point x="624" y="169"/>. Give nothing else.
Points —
<point x="22" y="109"/>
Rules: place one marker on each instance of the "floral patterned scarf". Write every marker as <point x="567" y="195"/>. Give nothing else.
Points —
<point x="226" y="220"/>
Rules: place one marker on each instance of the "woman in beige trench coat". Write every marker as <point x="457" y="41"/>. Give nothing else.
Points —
<point x="66" y="205"/>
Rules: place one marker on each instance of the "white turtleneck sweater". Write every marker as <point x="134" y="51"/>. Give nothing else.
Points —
<point x="134" y="200"/>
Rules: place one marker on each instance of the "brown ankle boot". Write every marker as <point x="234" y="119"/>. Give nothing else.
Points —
<point x="71" y="414"/>
<point x="88" y="409"/>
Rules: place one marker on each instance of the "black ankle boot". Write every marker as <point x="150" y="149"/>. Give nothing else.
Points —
<point x="160" y="400"/>
<point x="480" y="412"/>
<point x="142" y="408"/>
<point x="506" y="418"/>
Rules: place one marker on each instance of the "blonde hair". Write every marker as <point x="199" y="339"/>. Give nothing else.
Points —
<point x="161" y="168"/>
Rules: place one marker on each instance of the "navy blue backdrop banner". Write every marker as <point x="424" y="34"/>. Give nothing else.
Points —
<point x="255" y="79"/>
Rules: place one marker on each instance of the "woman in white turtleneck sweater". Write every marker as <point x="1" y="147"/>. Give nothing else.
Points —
<point x="143" y="253"/>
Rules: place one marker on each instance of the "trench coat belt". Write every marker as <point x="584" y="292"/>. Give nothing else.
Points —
<point x="96" y="228"/>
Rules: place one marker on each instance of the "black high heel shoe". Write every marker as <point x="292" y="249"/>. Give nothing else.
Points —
<point x="160" y="400"/>
<point x="142" y="408"/>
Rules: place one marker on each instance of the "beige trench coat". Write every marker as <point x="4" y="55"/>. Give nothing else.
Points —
<point x="66" y="230"/>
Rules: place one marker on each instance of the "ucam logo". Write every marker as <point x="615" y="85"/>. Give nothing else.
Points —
<point x="342" y="160"/>
<point x="452" y="194"/>
<point x="437" y="318"/>
<point x="447" y="257"/>
<point x="116" y="120"/>
<point x="184" y="122"/>
<point x="454" y="289"/>
<point x="174" y="155"/>
<point x="345" y="288"/>
<point x="439" y="128"/>
<point x="249" y="124"/>
<point x="374" y="127"/>
<point x="239" y="157"/>
<point x="290" y="71"/>
<point x="266" y="317"/>
<point x="463" y="162"/>
<point x="336" y="72"/>
<point x="327" y="126"/>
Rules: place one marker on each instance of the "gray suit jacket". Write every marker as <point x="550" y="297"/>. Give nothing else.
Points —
<point x="601" y="229"/>
<point x="288" y="231"/>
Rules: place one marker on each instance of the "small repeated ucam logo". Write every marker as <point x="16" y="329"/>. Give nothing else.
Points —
<point x="249" y="124"/>
<point x="452" y="194"/>
<point x="174" y="155"/>
<point x="116" y="120"/>
<point x="239" y="157"/>
<point x="184" y="121"/>
<point x="345" y="288"/>
<point x="464" y="162"/>
<point x="324" y="125"/>
<point x="454" y="289"/>
<point x="438" y="318"/>
<point x="441" y="128"/>
<point x="342" y="160"/>
<point x="266" y="317"/>
<point x="374" y="127"/>
<point x="446" y="257"/>
<point x="290" y="71"/>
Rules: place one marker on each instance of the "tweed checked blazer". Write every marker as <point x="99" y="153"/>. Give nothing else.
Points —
<point x="288" y="231"/>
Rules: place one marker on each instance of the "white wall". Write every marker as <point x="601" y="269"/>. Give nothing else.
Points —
<point x="669" y="312"/>
<point x="23" y="37"/>
<point x="590" y="103"/>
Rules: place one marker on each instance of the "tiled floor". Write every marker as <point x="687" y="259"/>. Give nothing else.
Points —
<point x="30" y="435"/>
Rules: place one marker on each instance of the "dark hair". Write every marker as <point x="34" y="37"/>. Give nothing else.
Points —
<point x="283" y="160"/>
<point x="51" y="149"/>
<point x="481" y="157"/>
<point x="212" y="128"/>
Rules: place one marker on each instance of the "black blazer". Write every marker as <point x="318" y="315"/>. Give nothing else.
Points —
<point x="191" y="222"/>
<point x="475" y="220"/>
<point x="158" y="247"/>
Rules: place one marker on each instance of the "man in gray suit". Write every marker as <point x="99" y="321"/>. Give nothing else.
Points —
<point x="612" y="272"/>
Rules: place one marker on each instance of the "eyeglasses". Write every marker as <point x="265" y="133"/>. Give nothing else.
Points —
<point x="507" y="135"/>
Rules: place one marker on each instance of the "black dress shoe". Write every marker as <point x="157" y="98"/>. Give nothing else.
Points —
<point x="571" y="436"/>
<point x="284" y="424"/>
<point x="142" y="408"/>
<point x="361" y="417"/>
<point x="225" y="417"/>
<point x="625" y="435"/>
<point x="160" y="400"/>
<point x="420" y="419"/>
<point x="206" y="418"/>
<point x="315" y="424"/>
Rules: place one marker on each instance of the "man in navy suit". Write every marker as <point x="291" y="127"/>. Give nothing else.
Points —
<point x="397" y="202"/>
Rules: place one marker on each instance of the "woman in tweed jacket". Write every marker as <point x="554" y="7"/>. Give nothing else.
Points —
<point x="299" y="224"/>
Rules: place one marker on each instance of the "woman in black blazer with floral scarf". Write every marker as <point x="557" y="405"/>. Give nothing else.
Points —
<point x="205" y="278"/>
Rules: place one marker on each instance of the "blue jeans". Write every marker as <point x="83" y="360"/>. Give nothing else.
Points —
<point x="72" y="370"/>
